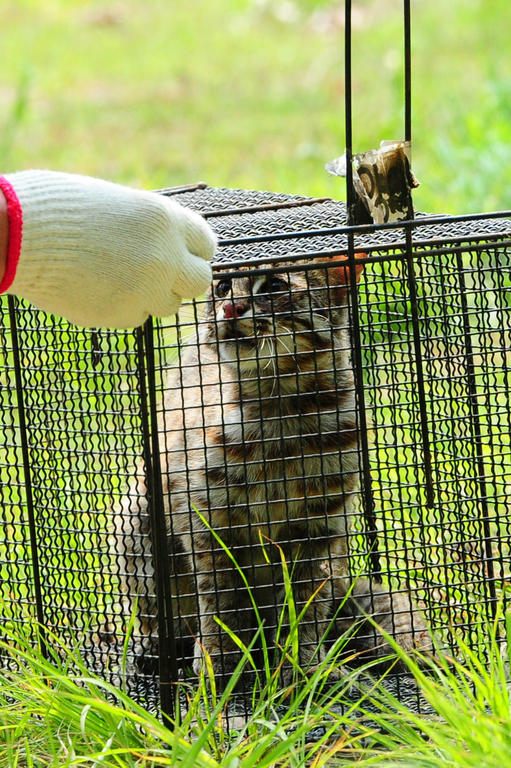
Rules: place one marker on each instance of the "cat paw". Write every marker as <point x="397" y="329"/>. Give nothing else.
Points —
<point x="412" y="633"/>
<point x="418" y="640"/>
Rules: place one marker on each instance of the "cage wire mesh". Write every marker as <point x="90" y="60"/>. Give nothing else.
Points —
<point x="287" y="403"/>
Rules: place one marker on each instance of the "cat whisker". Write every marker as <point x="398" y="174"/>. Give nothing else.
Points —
<point x="265" y="356"/>
<point x="313" y="315"/>
<point x="291" y="354"/>
<point x="288" y="330"/>
<point x="273" y="385"/>
<point x="281" y="341"/>
<point x="291" y="335"/>
<point x="315" y="324"/>
<point x="269" y="357"/>
<point x="271" y="360"/>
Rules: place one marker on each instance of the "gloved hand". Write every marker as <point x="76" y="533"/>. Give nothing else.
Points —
<point x="100" y="254"/>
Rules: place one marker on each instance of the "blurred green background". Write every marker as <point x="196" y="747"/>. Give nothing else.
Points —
<point x="249" y="93"/>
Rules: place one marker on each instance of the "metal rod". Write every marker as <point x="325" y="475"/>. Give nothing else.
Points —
<point x="264" y="207"/>
<point x="408" y="73"/>
<point x="477" y="435"/>
<point x="348" y="108"/>
<point x="426" y="446"/>
<point x="32" y="527"/>
<point x="424" y="220"/>
<point x="367" y="491"/>
<point x="168" y="191"/>
<point x="368" y="229"/>
<point x="167" y="669"/>
<point x="307" y="257"/>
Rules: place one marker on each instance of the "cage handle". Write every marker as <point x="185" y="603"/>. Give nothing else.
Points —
<point x="348" y="102"/>
<point x="410" y="272"/>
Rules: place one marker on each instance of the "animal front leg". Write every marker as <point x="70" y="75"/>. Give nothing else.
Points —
<point x="312" y="600"/>
<point x="222" y="594"/>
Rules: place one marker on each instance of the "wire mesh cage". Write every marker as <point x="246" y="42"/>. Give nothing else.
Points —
<point x="338" y="403"/>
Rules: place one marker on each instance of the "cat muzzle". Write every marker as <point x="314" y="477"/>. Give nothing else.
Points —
<point x="238" y="331"/>
<point x="233" y="309"/>
<point x="231" y="331"/>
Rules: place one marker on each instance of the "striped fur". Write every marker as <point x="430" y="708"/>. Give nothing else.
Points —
<point x="259" y="435"/>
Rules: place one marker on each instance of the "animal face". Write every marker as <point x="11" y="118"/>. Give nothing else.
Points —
<point x="277" y="322"/>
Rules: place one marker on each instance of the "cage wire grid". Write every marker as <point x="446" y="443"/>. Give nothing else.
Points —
<point x="92" y="440"/>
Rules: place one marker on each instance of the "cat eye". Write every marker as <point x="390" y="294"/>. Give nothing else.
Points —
<point x="222" y="288"/>
<point x="273" y="285"/>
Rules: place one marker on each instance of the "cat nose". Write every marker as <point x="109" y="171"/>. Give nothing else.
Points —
<point x="233" y="309"/>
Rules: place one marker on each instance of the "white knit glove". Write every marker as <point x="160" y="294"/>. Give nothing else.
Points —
<point x="101" y="254"/>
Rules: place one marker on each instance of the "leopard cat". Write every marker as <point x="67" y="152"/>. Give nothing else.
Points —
<point x="260" y="449"/>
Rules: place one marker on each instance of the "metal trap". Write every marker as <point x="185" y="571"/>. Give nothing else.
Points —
<point x="316" y="386"/>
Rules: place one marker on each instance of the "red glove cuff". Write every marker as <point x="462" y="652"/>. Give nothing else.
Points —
<point x="15" y="218"/>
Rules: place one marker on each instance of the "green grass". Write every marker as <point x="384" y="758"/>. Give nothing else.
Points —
<point x="53" y="712"/>
<point x="469" y="724"/>
<point x="250" y="92"/>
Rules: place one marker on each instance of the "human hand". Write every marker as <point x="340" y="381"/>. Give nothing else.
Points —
<point x="100" y="254"/>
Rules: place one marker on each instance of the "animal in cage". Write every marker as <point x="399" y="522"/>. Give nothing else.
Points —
<point x="260" y="455"/>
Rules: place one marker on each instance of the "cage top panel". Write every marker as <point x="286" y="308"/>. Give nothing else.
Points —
<point x="253" y="225"/>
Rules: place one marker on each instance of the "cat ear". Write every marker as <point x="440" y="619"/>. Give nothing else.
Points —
<point x="340" y="275"/>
